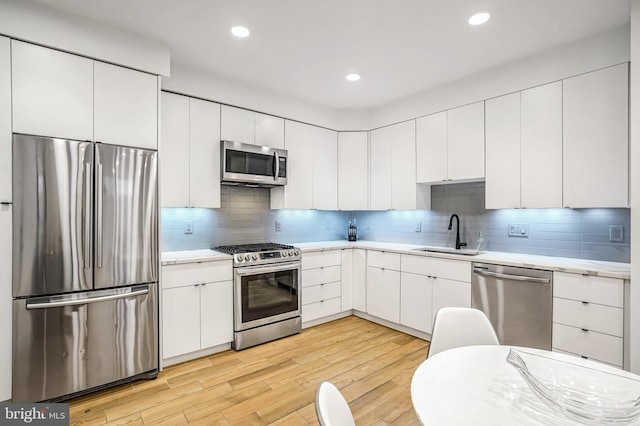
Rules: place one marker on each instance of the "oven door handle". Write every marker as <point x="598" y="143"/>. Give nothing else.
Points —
<point x="250" y="270"/>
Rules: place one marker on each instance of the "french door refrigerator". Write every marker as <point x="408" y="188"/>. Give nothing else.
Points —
<point x="85" y="266"/>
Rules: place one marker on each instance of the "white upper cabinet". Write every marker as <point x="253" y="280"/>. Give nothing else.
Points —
<point x="52" y="92"/>
<point x="5" y="120"/>
<point x="298" y="192"/>
<point x="269" y="131"/>
<point x="431" y="148"/>
<point x="190" y="152"/>
<point x="237" y="125"/>
<point x="325" y="169"/>
<point x="125" y="106"/>
<point x="353" y="181"/>
<point x="61" y="95"/>
<point x="204" y="154"/>
<point x="380" y="169"/>
<point x="403" y="165"/>
<point x="541" y="147"/>
<point x="242" y="125"/>
<point x="596" y="140"/>
<point x="465" y="147"/>
<point x="174" y="151"/>
<point x="503" y="152"/>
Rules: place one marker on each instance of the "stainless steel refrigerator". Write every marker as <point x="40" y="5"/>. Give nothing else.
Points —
<point x="85" y="266"/>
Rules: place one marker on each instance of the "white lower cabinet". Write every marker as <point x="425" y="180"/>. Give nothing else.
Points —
<point x="588" y="317"/>
<point x="416" y="301"/>
<point x="447" y="293"/>
<point x="383" y="293"/>
<point x="321" y="284"/>
<point x="360" y="280"/>
<point x="197" y="307"/>
<point x="347" y="273"/>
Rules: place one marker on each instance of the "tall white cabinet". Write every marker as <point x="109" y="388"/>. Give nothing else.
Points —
<point x="5" y="121"/>
<point x="325" y="169"/>
<point x="353" y="171"/>
<point x="380" y="175"/>
<point x="5" y="218"/>
<point x="596" y="139"/>
<point x="190" y="160"/>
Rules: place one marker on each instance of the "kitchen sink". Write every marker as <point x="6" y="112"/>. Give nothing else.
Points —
<point x="465" y="252"/>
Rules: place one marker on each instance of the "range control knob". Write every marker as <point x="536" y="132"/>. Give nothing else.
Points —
<point x="255" y="256"/>
<point x="239" y="258"/>
<point x="297" y="252"/>
<point x="285" y="253"/>
<point x="247" y="257"/>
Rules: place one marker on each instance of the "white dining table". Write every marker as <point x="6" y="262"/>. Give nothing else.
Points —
<point x="475" y="385"/>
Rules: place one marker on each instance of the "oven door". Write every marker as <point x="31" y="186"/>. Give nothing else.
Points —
<point x="266" y="294"/>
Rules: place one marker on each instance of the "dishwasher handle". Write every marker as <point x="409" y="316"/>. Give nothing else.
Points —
<point x="480" y="271"/>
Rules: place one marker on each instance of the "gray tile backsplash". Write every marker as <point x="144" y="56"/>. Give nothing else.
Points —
<point x="245" y="216"/>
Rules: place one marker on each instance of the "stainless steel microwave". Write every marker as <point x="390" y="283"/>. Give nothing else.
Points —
<point x="252" y="165"/>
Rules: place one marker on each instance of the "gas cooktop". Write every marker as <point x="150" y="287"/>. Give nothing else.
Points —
<point x="260" y="253"/>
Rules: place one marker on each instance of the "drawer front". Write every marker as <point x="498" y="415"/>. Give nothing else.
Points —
<point x="320" y="309"/>
<point x="457" y="270"/>
<point x="317" y="259"/>
<point x="312" y="277"/>
<point x="601" y="347"/>
<point x="186" y="274"/>
<point x="383" y="259"/>
<point x="320" y="292"/>
<point x="578" y="356"/>
<point x="593" y="289"/>
<point x="600" y="318"/>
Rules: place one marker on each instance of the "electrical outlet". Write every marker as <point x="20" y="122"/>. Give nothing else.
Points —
<point x="278" y="226"/>
<point x="616" y="233"/>
<point x="418" y="226"/>
<point x="188" y="227"/>
<point x="518" y="230"/>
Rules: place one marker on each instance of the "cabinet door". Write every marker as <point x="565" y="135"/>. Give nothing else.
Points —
<point x="360" y="280"/>
<point x="431" y="148"/>
<point x="416" y="301"/>
<point x="346" y="275"/>
<point x="180" y="320"/>
<point x="325" y="169"/>
<point x="450" y="293"/>
<point x="465" y="145"/>
<point x="596" y="140"/>
<point x="174" y="158"/>
<point x="541" y="147"/>
<point x="237" y="124"/>
<point x="216" y="313"/>
<point x="503" y="152"/>
<point x="298" y="193"/>
<point x="353" y="175"/>
<point x="5" y="121"/>
<point x="125" y="106"/>
<point x="403" y="166"/>
<point x="5" y="300"/>
<point x="204" y="154"/>
<point x="380" y="169"/>
<point x="383" y="294"/>
<point x="52" y="92"/>
<point x="269" y="131"/>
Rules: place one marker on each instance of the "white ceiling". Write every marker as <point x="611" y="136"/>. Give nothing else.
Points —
<point x="305" y="48"/>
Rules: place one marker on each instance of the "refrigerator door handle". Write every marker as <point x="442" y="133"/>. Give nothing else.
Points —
<point x="99" y="218"/>
<point x="75" y="302"/>
<point x="87" y="216"/>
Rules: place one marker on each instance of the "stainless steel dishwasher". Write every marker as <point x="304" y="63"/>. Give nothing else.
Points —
<point x="517" y="301"/>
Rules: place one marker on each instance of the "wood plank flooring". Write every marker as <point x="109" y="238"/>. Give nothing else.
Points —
<point x="274" y="383"/>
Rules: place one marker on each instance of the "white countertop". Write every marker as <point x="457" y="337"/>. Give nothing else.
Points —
<point x="561" y="264"/>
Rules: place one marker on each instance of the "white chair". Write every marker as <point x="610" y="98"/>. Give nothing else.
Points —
<point x="331" y="407"/>
<point x="455" y="327"/>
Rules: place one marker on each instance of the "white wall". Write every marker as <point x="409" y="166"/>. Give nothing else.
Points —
<point x="585" y="55"/>
<point x="188" y="81"/>
<point x="48" y="27"/>
<point x="634" y="120"/>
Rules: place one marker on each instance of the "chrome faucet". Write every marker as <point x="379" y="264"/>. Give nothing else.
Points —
<point x="458" y="243"/>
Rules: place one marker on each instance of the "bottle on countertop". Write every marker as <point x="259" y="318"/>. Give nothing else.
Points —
<point x="351" y="234"/>
<point x="479" y="241"/>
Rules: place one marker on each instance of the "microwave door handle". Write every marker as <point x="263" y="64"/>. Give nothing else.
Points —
<point x="276" y="168"/>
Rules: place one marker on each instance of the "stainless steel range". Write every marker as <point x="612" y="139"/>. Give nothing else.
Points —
<point x="266" y="292"/>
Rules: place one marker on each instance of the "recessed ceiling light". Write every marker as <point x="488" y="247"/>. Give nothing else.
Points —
<point x="353" y="77"/>
<point x="241" y="32"/>
<point x="479" y="18"/>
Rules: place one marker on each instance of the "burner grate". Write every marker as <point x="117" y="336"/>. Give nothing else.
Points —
<point x="252" y="248"/>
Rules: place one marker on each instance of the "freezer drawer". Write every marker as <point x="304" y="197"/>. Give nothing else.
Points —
<point x="70" y="343"/>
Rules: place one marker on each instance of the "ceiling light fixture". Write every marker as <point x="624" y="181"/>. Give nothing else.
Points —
<point x="479" y="18"/>
<point x="240" y="32"/>
<point x="353" y="77"/>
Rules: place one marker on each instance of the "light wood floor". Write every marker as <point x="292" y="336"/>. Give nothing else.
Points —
<point x="274" y="383"/>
